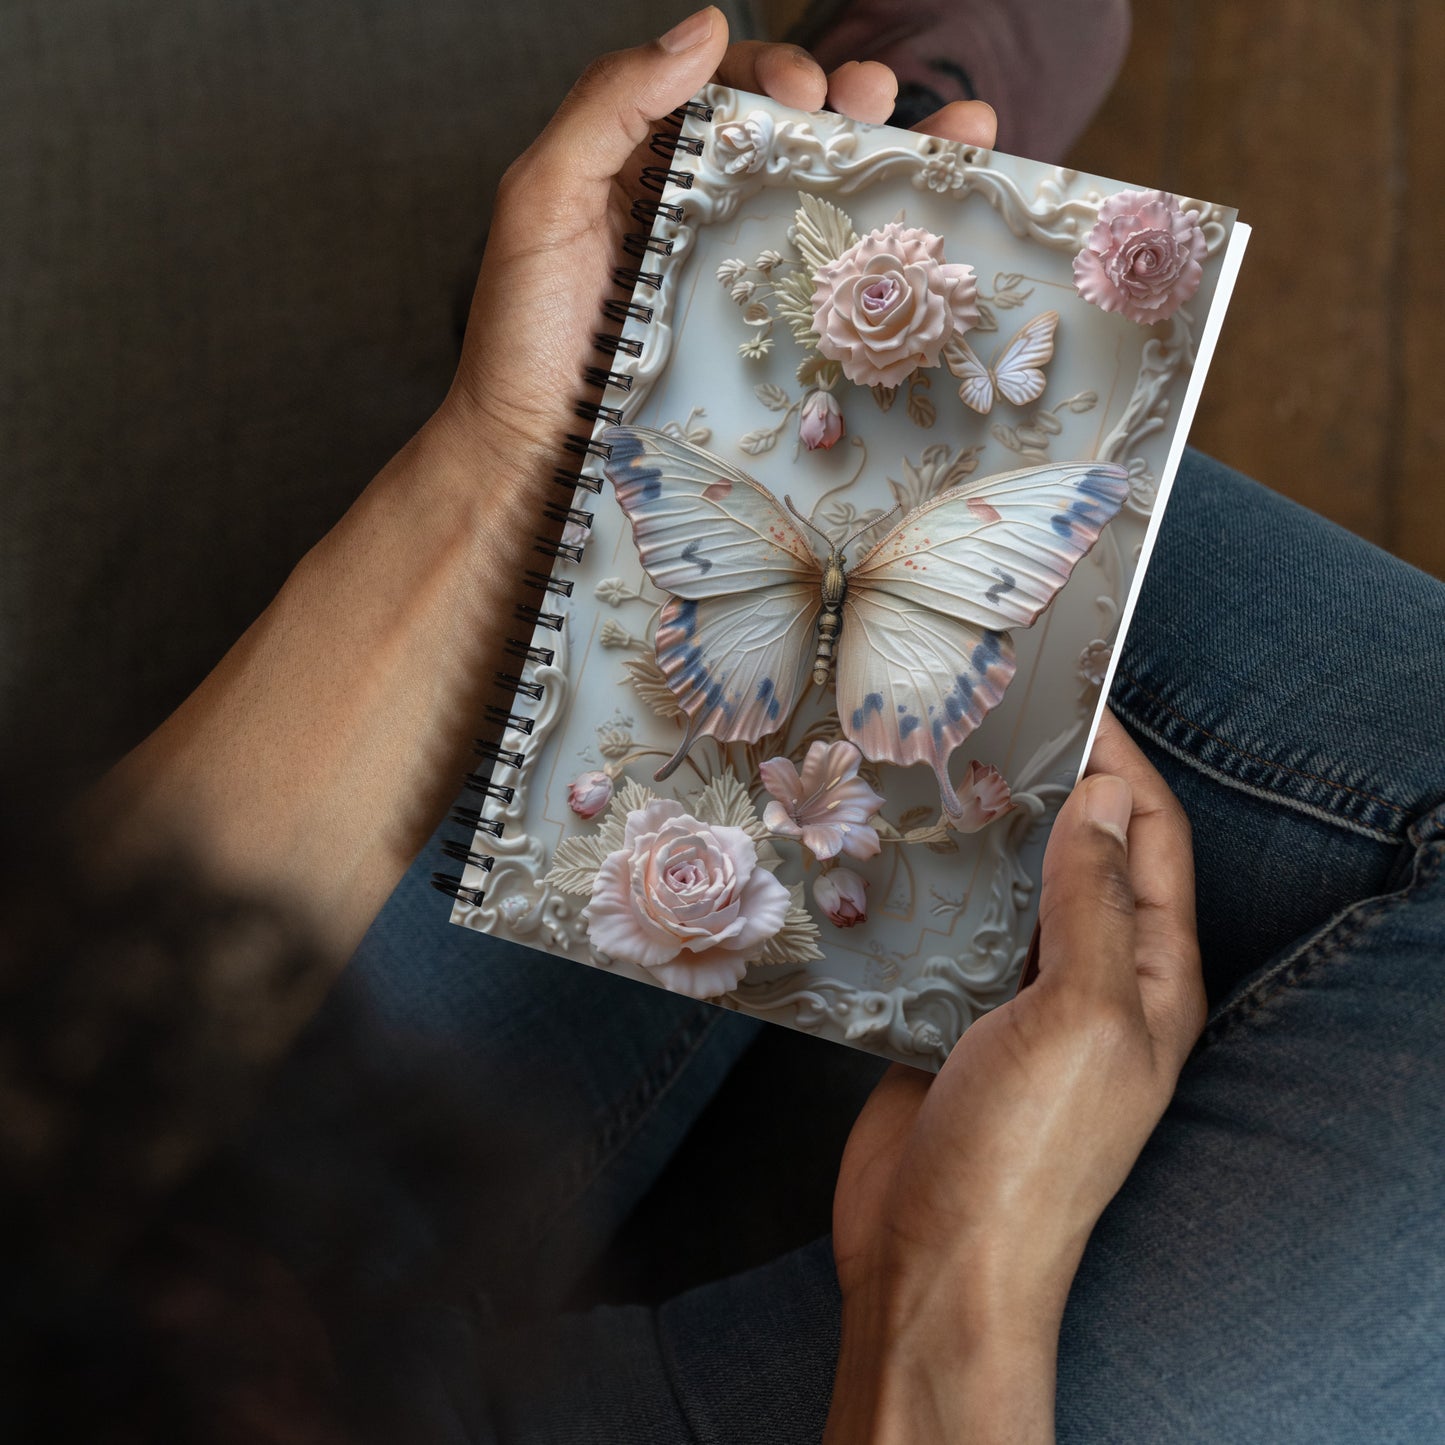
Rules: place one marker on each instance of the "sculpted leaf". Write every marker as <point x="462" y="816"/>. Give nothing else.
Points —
<point x="921" y="411"/>
<point x="575" y="863"/>
<point x="937" y="470"/>
<point x="1047" y="422"/>
<point x="772" y="397"/>
<point x="649" y="683"/>
<point x="725" y="800"/>
<point x="987" y="321"/>
<point x="793" y="297"/>
<point x="819" y="371"/>
<point x="820" y="231"/>
<point x="1085" y="401"/>
<point x="964" y="465"/>
<point x="797" y="940"/>
<point x="755" y="443"/>
<point x="884" y="396"/>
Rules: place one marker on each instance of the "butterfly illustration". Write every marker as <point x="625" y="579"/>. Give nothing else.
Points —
<point x="916" y="629"/>
<point x="1017" y="373"/>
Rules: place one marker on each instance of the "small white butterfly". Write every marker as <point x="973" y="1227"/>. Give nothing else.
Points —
<point x="1017" y="373"/>
<point x="917" y="625"/>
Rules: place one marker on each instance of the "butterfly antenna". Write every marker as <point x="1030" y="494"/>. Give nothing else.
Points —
<point x="868" y="526"/>
<point x="788" y="502"/>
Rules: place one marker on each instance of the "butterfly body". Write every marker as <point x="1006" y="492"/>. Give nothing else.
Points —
<point x="830" y="619"/>
<point x="914" y="636"/>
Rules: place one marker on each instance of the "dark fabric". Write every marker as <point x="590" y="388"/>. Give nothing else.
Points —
<point x="236" y="244"/>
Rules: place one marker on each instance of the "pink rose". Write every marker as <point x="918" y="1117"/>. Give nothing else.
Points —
<point x="985" y="794"/>
<point x="589" y="793"/>
<point x="1142" y="258"/>
<point x="889" y="304"/>
<point x="685" y="900"/>
<point x="820" y="423"/>
<point x="843" y="896"/>
<point x="828" y="806"/>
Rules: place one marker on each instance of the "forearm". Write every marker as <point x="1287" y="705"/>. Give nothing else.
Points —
<point x="319" y="754"/>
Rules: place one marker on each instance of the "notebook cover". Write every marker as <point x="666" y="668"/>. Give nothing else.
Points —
<point x="725" y="362"/>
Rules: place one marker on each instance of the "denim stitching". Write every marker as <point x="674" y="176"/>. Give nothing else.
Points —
<point x="1344" y="929"/>
<point x="1256" y="757"/>
<point x="672" y="1374"/>
<point x="1253" y="790"/>
<point x="626" y="1117"/>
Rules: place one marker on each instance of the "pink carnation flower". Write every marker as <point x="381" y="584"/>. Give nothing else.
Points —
<point x="685" y="900"/>
<point x="985" y="794"/>
<point x="828" y="806"/>
<point x="1142" y="259"/>
<point x="890" y="303"/>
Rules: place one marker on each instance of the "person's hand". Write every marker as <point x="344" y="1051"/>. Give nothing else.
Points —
<point x="564" y="206"/>
<point x="965" y="1201"/>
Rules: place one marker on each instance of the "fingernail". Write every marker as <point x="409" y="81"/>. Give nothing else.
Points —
<point x="687" y="33"/>
<point x="1108" y="802"/>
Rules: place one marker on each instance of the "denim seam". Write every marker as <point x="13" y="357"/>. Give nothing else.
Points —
<point x="1265" y="795"/>
<point x="671" y="1374"/>
<point x="1270" y="795"/>
<point x="1244" y="754"/>
<point x="626" y="1117"/>
<point x="1332" y="939"/>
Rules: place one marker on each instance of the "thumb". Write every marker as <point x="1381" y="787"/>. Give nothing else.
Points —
<point x="1086" y="911"/>
<point x="612" y="107"/>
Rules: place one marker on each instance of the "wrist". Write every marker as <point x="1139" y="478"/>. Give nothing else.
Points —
<point x="951" y="1352"/>
<point x="943" y="1378"/>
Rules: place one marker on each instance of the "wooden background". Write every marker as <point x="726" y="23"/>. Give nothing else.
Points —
<point x="1324" y="122"/>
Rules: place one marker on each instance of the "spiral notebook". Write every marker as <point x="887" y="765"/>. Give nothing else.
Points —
<point x="875" y="456"/>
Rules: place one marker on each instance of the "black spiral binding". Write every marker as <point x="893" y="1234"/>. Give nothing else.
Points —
<point x="555" y="544"/>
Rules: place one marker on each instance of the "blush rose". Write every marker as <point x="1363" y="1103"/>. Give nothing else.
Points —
<point x="1142" y="259"/>
<point x="685" y="900"/>
<point x="890" y="303"/>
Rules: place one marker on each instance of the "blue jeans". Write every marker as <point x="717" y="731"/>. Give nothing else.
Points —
<point x="1274" y="1268"/>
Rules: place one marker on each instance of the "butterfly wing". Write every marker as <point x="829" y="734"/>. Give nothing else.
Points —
<point x="924" y="655"/>
<point x="1019" y="371"/>
<point x="703" y="528"/>
<point x="912" y="684"/>
<point x="736" y="664"/>
<point x="977" y="390"/>
<point x="735" y="639"/>
<point x="995" y="551"/>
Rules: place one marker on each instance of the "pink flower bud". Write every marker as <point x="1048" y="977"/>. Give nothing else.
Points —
<point x="821" y="421"/>
<point x="985" y="795"/>
<point x="843" y="896"/>
<point x="589" y="793"/>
